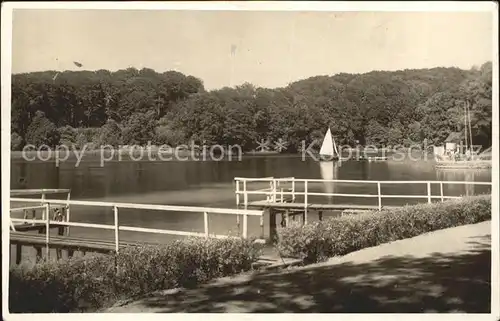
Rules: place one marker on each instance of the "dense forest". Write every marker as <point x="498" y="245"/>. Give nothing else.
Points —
<point x="133" y="106"/>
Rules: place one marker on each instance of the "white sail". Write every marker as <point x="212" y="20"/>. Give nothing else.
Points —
<point x="327" y="147"/>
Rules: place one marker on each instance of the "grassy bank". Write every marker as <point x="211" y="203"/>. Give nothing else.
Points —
<point x="339" y="236"/>
<point x="92" y="282"/>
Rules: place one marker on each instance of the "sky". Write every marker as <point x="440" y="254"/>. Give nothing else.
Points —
<point x="265" y="48"/>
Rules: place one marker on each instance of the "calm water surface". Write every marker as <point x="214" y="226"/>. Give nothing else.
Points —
<point x="198" y="183"/>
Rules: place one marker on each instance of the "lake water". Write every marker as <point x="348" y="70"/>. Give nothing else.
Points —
<point x="211" y="184"/>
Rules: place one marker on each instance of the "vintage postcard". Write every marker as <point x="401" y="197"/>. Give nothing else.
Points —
<point x="250" y="157"/>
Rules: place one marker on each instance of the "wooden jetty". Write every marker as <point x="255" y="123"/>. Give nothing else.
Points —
<point x="47" y="214"/>
<point x="282" y="197"/>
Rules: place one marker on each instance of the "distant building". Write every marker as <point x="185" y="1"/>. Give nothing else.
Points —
<point x="453" y="140"/>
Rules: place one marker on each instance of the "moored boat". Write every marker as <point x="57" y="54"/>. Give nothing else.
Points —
<point x="463" y="158"/>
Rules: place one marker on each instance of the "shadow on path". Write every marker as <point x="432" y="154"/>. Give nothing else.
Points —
<point x="436" y="283"/>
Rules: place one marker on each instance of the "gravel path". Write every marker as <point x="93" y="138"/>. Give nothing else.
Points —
<point x="442" y="271"/>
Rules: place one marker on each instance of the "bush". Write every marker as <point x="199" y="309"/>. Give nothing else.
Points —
<point x="42" y="131"/>
<point x="16" y="142"/>
<point x="87" y="136"/>
<point x="92" y="282"/>
<point x="338" y="236"/>
<point x="110" y="134"/>
<point x="67" y="136"/>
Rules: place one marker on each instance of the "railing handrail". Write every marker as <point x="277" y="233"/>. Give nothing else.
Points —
<point x="305" y="192"/>
<point x="361" y="181"/>
<point x="124" y="228"/>
<point x="349" y="195"/>
<point x="173" y="208"/>
<point x="39" y="191"/>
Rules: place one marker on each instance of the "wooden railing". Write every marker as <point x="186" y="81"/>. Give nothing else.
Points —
<point x="43" y="194"/>
<point x="274" y="191"/>
<point x="47" y="204"/>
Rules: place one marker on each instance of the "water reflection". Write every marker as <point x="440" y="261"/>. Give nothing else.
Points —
<point x="329" y="171"/>
<point x="129" y="179"/>
<point x="468" y="175"/>
<point x="212" y="184"/>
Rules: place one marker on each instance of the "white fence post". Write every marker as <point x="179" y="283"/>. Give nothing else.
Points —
<point x="68" y="213"/>
<point x="43" y="200"/>
<point x="441" y="190"/>
<point x="238" y="202"/>
<point x="237" y="193"/>
<point x="274" y="190"/>
<point x="245" y="226"/>
<point x="379" y="193"/>
<point x="261" y="225"/>
<point x="429" y="193"/>
<point x="245" y="195"/>
<point x="305" y="202"/>
<point x="117" y="240"/>
<point x="293" y="190"/>
<point x="12" y="225"/>
<point x="47" y="230"/>
<point x="205" y="221"/>
<point x="245" y="216"/>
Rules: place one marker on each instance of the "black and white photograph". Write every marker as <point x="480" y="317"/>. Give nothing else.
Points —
<point x="250" y="157"/>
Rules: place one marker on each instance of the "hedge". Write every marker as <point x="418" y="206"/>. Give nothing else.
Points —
<point x="95" y="281"/>
<point x="318" y="241"/>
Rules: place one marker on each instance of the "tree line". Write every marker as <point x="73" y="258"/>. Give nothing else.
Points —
<point x="134" y="107"/>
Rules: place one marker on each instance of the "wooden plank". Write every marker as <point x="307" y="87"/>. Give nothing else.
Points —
<point x="68" y="242"/>
<point x="301" y="206"/>
<point x="34" y="227"/>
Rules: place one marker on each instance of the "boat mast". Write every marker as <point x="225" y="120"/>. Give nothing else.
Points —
<point x="465" y="127"/>
<point x="470" y="130"/>
<point x="335" y="147"/>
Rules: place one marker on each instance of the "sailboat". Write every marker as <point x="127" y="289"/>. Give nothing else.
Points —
<point x="328" y="151"/>
<point x="467" y="159"/>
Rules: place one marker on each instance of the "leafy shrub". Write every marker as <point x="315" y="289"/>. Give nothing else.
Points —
<point x="16" y="142"/>
<point x="87" y="136"/>
<point x="42" y="131"/>
<point x="92" y="282"/>
<point x="109" y="134"/>
<point x="67" y="136"/>
<point x="341" y="235"/>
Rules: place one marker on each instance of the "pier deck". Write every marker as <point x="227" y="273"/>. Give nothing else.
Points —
<point x="268" y="260"/>
<point x="26" y="227"/>
<point x="67" y="242"/>
<point x="21" y="238"/>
